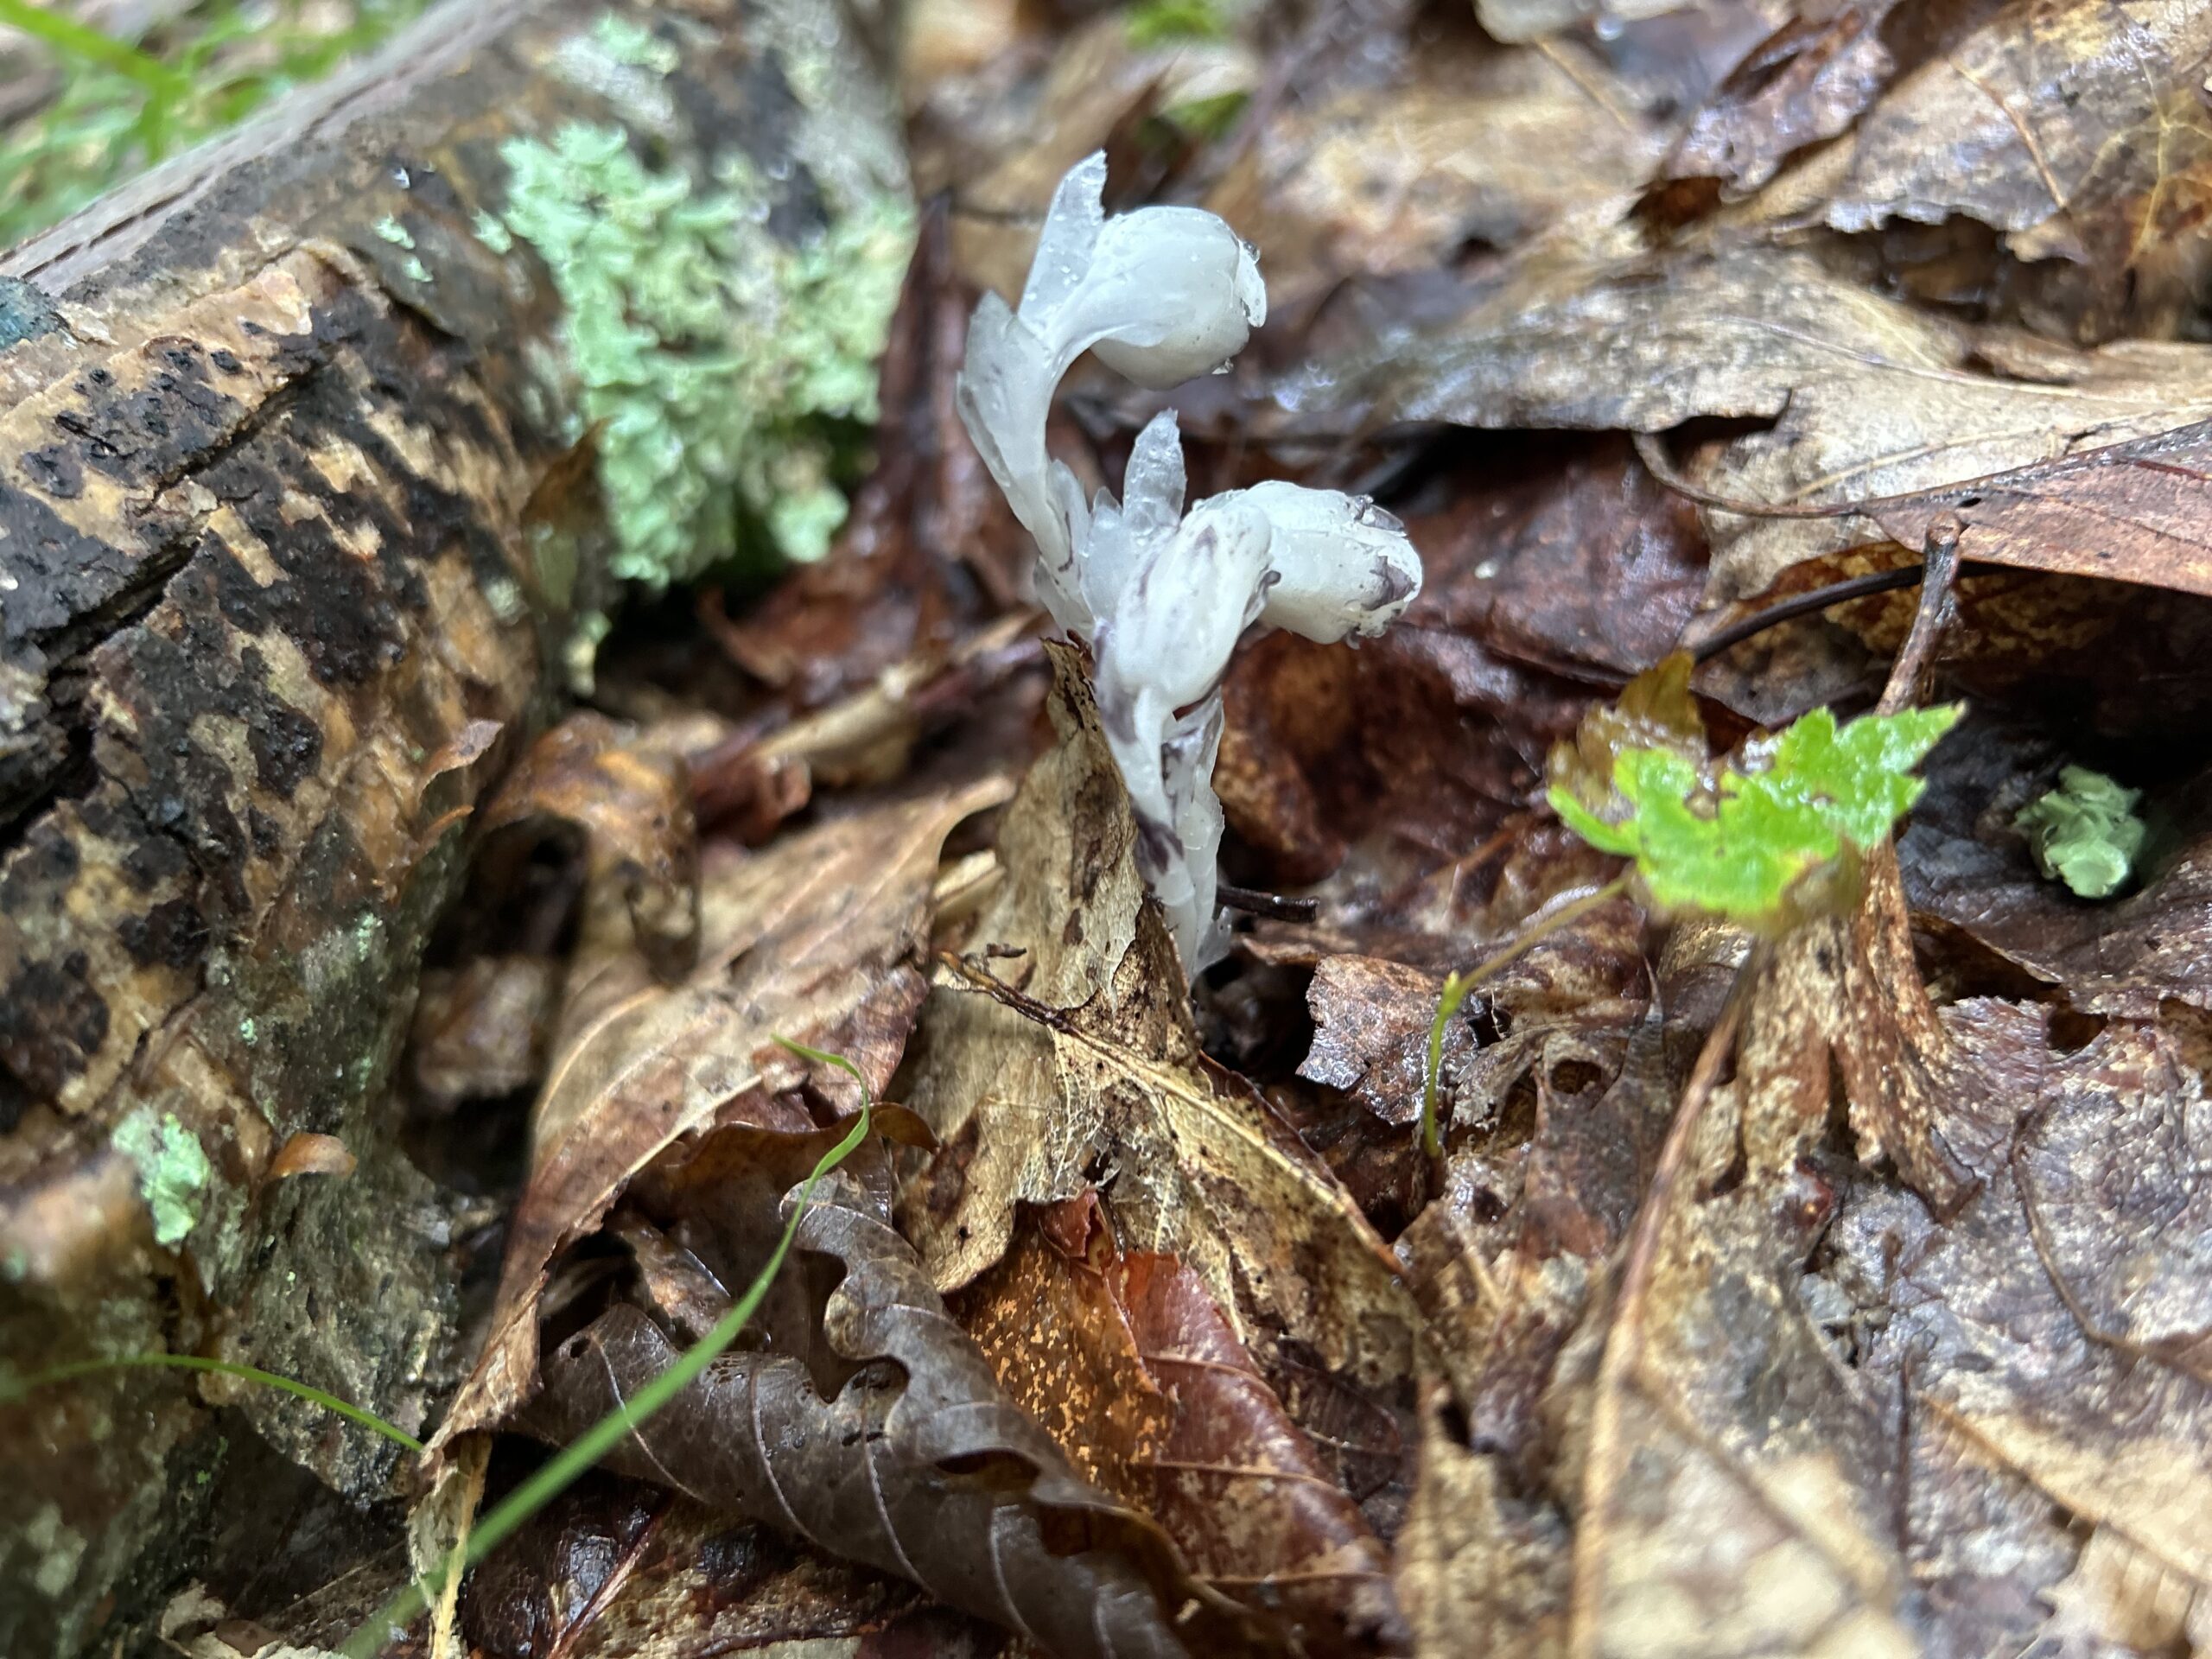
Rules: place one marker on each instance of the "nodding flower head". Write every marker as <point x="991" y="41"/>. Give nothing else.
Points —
<point x="1159" y="594"/>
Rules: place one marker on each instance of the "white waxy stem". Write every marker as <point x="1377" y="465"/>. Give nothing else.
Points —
<point x="1161" y="595"/>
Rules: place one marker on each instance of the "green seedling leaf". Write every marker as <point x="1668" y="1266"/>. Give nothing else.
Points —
<point x="2085" y="832"/>
<point x="1738" y="845"/>
<point x="1161" y="22"/>
<point x="1456" y="988"/>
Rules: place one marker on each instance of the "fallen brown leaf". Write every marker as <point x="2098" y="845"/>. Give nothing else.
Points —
<point x="1482" y="1571"/>
<point x="614" y="1569"/>
<point x="877" y="1433"/>
<point x="815" y="939"/>
<point x="2026" y="1364"/>
<point x="1134" y="1368"/>
<point x="1867" y="398"/>
<point x="2077" y="131"/>
<point x="1071" y="1053"/>
<point x="1806" y="82"/>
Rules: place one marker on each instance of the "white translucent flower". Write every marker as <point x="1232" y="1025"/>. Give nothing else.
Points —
<point x="1161" y="595"/>
<point x="1159" y="294"/>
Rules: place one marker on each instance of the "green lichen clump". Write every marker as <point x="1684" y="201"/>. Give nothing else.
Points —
<point x="722" y="368"/>
<point x="2085" y="832"/>
<point x="172" y="1172"/>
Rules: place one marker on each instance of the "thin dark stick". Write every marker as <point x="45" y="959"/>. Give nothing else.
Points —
<point x="1819" y="599"/>
<point x="1273" y="905"/>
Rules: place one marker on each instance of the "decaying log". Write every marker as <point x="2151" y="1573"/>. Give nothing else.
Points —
<point x="296" y="532"/>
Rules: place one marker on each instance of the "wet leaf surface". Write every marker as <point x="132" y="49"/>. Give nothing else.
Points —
<point x="1063" y="1046"/>
<point x="884" y="1439"/>
<point x="1135" y="1367"/>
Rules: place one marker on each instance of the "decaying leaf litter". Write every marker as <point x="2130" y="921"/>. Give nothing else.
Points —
<point x="1837" y="1291"/>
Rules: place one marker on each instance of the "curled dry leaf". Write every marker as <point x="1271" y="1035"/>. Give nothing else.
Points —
<point x="1868" y="399"/>
<point x="615" y="1569"/>
<point x="1806" y="82"/>
<point x="630" y="798"/>
<point x="816" y="938"/>
<point x="885" y="1439"/>
<point x="1134" y="1366"/>
<point x="2077" y="131"/>
<point x="1082" y="1057"/>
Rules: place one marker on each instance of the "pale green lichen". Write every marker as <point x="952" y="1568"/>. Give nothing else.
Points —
<point x="394" y="233"/>
<point x="59" y="1548"/>
<point x="2085" y="832"/>
<point x="414" y="269"/>
<point x="172" y="1172"/>
<point x="716" y="363"/>
<point x="629" y="42"/>
<point x="491" y="232"/>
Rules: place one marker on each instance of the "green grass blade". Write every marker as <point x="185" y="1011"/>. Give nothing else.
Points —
<point x="66" y="36"/>
<point x="15" y="1388"/>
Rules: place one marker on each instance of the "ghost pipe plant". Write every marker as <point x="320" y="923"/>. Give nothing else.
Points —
<point x="1158" y="593"/>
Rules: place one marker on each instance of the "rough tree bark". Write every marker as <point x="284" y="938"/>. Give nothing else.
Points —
<point x="296" y="535"/>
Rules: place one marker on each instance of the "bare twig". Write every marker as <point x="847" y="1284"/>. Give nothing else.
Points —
<point x="1625" y="1341"/>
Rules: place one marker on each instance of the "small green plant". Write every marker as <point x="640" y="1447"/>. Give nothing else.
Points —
<point x="1157" y="23"/>
<point x="1739" y="841"/>
<point x="501" y="1521"/>
<point x="2085" y="832"/>
<point x="1746" y="841"/>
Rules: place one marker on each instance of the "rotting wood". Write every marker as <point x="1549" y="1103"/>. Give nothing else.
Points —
<point x="290" y="524"/>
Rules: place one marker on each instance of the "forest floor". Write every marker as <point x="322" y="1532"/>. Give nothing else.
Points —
<point x="1840" y="1284"/>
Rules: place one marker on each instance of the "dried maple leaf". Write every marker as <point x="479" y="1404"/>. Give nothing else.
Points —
<point x="1082" y="1059"/>
<point x="816" y="937"/>
<point x="880" y="1435"/>
<point x="1135" y="1367"/>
